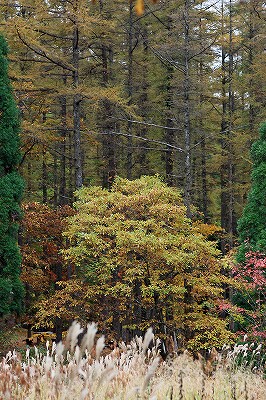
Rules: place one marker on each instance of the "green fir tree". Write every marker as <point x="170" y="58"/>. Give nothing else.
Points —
<point x="11" y="189"/>
<point x="252" y="225"/>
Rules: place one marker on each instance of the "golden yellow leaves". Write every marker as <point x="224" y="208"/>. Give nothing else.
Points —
<point x="139" y="6"/>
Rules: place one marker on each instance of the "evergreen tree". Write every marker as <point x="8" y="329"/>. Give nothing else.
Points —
<point x="11" y="188"/>
<point x="251" y="227"/>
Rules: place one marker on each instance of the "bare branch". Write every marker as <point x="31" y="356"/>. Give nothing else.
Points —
<point x="43" y="53"/>
<point x="141" y="138"/>
<point x="147" y="124"/>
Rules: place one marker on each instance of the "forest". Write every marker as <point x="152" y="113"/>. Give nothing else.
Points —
<point x="132" y="168"/>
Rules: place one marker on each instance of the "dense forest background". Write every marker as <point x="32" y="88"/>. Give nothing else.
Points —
<point x="177" y="91"/>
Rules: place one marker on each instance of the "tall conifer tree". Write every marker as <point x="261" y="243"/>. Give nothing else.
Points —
<point x="252" y="225"/>
<point x="11" y="188"/>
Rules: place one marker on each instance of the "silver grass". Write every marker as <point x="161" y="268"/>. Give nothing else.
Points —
<point x="72" y="335"/>
<point x="149" y="336"/>
<point x="53" y="348"/>
<point x="77" y="354"/>
<point x="59" y="349"/>
<point x="88" y="339"/>
<point x="99" y="347"/>
<point x="63" y="375"/>
<point x="150" y="373"/>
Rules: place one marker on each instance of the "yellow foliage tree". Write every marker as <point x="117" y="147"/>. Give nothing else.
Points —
<point x="147" y="264"/>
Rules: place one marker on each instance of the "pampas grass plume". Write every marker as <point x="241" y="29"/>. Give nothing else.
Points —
<point x="72" y="336"/>
<point x="88" y="339"/>
<point x="149" y="336"/>
<point x="99" y="347"/>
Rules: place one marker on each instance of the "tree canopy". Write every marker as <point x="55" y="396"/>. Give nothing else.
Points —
<point x="149" y="264"/>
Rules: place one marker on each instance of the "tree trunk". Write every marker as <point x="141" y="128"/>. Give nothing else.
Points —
<point x="55" y="179"/>
<point x="142" y="158"/>
<point x="130" y="90"/>
<point x="169" y="131"/>
<point x="137" y="308"/>
<point x="76" y="109"/>
<point x="228" y="220"/>
<point x="62" y="149"/>
<point x="44" y="177"/>
<point x="187" y="128"/>
<point x="204" y="189"/>
<point x="251" y="35"/>
<point x="109" y="138"/>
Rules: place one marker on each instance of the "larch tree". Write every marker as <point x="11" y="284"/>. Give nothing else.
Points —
<point x="187" y="59"/>
<point x="64" y="41"/>
<point x="151" y="96"/>
<point x="11" y="189"/>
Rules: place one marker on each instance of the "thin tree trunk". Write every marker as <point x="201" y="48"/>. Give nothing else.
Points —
<point x="62" y="147"/>
<point x="169" y="133"/>
<point x="44" y="177"/>
<point x="76" y="108"/>
<point x="137" y="308"/>
<point x="130" y="90"/>
<point x="231" y="205"/>
<point x="109" y="138"/>
<point x="224" y="150"/>
<point x="252" y="110"/>
<point x="71" y="168"/>
<point x="228" y="221"/>
<point x="187" y="307"/>
<point x="187" y="128"/>
<point x="44" y="170"/>
<point x="55" y="179"/>
<point x="204" y="190"/>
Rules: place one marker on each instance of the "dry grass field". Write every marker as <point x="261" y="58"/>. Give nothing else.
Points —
<point x="133" y="371"/>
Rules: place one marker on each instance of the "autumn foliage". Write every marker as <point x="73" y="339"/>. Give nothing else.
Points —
<point x="144" y="263"/>
<point x="251" y="298"/>
<point x="42" y="242"/>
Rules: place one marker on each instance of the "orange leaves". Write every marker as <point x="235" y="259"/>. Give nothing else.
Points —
<point x="42" y="222"/>
<point x="139" y="7"/>
<point x="36" y="279"/>
<point x="207" y="230"/>
<point x="42" y="242"/>
<point x="72" y="301"/>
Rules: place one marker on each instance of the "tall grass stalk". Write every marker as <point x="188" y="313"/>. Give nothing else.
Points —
<point x="129" y="372"/>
